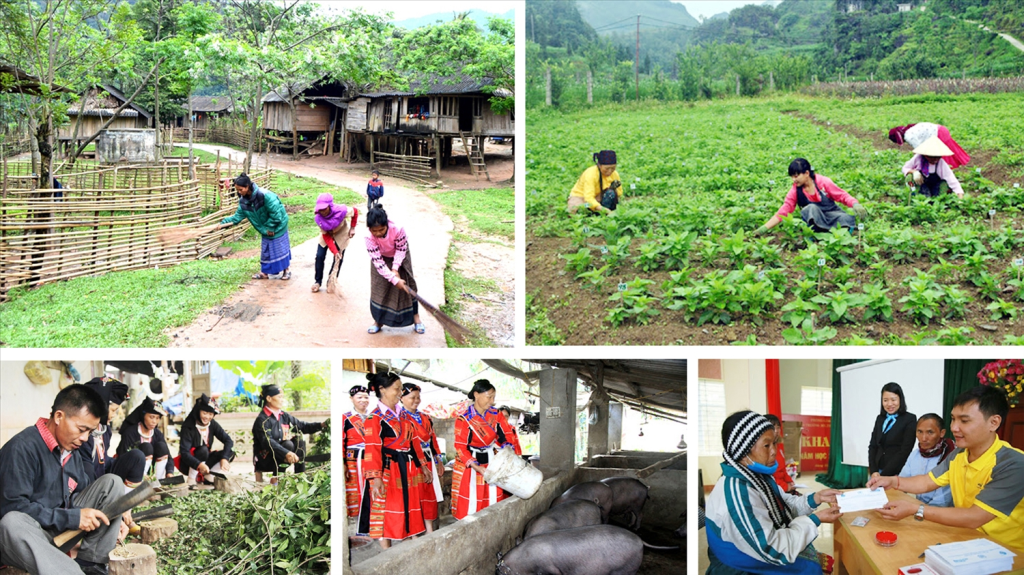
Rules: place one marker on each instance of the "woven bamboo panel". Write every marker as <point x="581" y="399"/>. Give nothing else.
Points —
<point x="108" y="219"/>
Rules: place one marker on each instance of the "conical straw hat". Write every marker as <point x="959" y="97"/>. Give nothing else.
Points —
<point x="933" y="147"/>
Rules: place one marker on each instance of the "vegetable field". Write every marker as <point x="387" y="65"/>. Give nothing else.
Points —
<point x="678" y="264"/>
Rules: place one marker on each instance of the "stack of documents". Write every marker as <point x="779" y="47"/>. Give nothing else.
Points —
<point x="861" y="500"/>
<point x="976" y="557"/>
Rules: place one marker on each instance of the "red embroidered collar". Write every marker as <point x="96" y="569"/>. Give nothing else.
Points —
<point x="49" y="439"/>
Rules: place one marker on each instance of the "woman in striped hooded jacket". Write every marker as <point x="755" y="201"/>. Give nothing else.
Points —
<point x="752" y="526"/>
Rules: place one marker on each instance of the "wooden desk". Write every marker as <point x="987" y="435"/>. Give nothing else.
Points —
<point x="856" y="552"/>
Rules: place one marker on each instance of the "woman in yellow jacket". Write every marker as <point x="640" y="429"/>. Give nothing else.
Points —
<point x="593" y="183"/>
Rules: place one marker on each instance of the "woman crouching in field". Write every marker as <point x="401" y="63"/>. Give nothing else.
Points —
<point x="818" y="198"/>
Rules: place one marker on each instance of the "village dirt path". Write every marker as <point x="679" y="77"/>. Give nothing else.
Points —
<point x="292" y="316"/>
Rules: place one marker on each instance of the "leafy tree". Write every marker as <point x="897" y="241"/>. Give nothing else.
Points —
<point x="452" y="49"/>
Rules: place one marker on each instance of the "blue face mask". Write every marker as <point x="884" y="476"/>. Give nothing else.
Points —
<point x="762" y="468"/>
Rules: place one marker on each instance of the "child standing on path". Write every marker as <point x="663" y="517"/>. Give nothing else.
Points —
<point x="374" y="190"/>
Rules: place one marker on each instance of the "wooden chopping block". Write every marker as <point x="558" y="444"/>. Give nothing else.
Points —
<point x="12" y="571"/>
<point x="132" y="559"/>
<point x="156" y="529"/>
<point x="231" y="484"/>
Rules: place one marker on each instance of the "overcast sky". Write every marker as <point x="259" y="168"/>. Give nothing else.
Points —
<point x="708" y="8"/>
<point x="403" y="9"/>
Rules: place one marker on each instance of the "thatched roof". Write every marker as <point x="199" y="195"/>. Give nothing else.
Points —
<point x="104" y="106"/>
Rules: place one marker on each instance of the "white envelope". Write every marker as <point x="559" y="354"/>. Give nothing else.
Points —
<point x="861" y="500"/>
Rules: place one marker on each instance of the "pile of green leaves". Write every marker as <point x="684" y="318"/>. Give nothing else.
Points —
<point x="282" y="529"/>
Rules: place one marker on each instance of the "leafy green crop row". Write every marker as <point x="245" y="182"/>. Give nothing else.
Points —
<point x="700" y="178"/>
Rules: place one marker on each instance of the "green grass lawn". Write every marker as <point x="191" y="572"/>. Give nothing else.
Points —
<point x="491" y="212"/>
<point x="133" y="308"/>
<point x="120" y="309"/>
<point x="201" y="156"/>
<point x="488" y="213"/>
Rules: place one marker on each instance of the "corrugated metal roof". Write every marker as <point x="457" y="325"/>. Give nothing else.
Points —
<point x="211" y="104"/>
<point x="105" y="112"/>
<point x="447" y="85"/>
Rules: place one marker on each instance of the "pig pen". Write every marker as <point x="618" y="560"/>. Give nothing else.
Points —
<point x="470" y="547"/>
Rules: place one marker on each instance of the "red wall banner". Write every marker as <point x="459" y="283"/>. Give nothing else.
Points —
<point x="814" y="441"/>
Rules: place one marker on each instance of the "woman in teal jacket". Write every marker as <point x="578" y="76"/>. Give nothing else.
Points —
<point x="267" y="215"/>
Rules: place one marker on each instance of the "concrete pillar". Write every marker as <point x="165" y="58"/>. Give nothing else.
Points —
<point x="597" y="432"/>
<point x="614" y="427"/>
<point x="557" y="421"/>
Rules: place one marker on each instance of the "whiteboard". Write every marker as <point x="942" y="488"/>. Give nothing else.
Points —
<point x="922" y="383"/>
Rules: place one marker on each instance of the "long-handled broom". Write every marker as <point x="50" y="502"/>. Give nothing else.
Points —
<point x="174" y="236"/>
<point x="454" y="328"/>
<point x="332" y="280"/>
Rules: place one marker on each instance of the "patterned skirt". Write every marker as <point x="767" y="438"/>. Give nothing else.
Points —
<point x="398" y="516"/>
<point x="470" y="493"/>
<point x="357" y="491"/>
<point x="389" y="305"/>
<point x="275" y="254"/>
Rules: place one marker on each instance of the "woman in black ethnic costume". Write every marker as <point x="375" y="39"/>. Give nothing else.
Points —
<point x="196" y="457"/>
<point x="273" y="451"/>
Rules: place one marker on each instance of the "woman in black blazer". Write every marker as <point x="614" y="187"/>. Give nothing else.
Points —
<point x="894" y="434"/>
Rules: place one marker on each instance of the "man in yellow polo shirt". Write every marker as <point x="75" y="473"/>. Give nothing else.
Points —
<point x="985" y="474"/>
<point x="593" y="182"/>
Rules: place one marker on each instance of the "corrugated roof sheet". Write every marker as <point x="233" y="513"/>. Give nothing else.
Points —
<point x="105" y="112"/>
<point x="447" y="85"/>
<point x="211" y="104"/>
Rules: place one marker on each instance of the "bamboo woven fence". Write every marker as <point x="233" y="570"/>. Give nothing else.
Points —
<point x="416" y="168"/>
<point x="107" y="219"/>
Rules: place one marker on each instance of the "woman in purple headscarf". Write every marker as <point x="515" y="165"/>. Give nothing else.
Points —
<point x="337" y="223"/>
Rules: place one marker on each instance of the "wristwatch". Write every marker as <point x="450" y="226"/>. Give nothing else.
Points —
<point x="919" y="516"/>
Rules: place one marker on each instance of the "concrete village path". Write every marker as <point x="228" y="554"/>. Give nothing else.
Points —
<point x="292" y="316"/>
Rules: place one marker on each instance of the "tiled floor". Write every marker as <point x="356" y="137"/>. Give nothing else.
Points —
<point x="824" y="542"/>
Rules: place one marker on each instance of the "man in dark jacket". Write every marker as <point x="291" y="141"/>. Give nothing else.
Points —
<point x="46" y="489"/>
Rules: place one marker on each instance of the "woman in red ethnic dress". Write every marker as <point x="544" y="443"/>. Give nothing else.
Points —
<point x="392" y="466"/>
<point x="478" y="431"/>
<point x="353" y="441"/>
<point x="506" y="412"/>
<point x="426" y="440"/>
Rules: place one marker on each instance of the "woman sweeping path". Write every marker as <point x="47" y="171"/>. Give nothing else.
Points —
<point x="289" y="314"/>
<point x="267" y="215"/>
<point x="391" y="275"/>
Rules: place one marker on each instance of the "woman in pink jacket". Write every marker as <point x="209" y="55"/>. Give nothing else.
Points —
<point x="818" y="198"/>
<point x="391" y="276"/>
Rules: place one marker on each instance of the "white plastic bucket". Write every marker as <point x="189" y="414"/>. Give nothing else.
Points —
<point x="508" y="471"/>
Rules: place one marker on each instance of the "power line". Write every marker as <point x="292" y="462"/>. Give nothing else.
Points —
<point x="630" y="19"/>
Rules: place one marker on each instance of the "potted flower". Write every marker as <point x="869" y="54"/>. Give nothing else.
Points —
<point x="1006" y="374"/>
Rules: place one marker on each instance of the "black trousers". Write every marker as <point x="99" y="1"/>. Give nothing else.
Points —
<point x="210" y="458"/>
<point x="296" y="445"/>
<point x="318" y="266"/>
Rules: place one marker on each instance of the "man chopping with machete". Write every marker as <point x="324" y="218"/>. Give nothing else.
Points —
<point x="45" y="490"/>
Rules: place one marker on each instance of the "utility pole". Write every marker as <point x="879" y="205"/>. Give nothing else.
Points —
<point x="533" y="26"/>
<point x="637" y="57"/>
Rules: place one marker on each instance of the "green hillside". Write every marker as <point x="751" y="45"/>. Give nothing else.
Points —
<point x="609" y="17"/>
